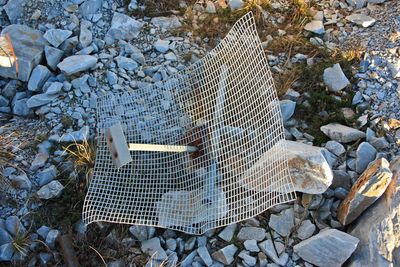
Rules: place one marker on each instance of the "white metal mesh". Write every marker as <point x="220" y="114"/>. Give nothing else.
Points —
<point x="226" y="105"/>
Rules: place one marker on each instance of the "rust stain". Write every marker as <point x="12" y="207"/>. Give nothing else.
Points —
<point x="13" y="53"/>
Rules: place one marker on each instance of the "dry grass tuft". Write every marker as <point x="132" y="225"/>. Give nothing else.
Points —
<point x="285" y="80"/>
<point x="83" y="155"/>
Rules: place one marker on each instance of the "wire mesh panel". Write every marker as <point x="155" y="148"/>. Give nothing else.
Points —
<point x="226" y="106"/>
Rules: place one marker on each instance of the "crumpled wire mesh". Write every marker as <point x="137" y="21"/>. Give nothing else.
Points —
<point x="226" y="105"/>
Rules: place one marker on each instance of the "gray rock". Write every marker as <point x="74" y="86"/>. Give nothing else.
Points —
<point x="39" y="160"/>
<point x="54" y="88"/>
<point x="40" y="100"/>
<point x="330" y="248"/>
<point x="379" y="142"/>
<point x="51" y="238"/>
<point x="28" y="45"/>
<point x="21" y="108"/>
<point x="251" y="245"/>
<point x="89" y="8"/>
<point x="3" y="101"/>
<point x="47" y="175"/>
<point x="189" y="259"/>
<point x="283" y="222"/>
<point x="267" y="247"/>
<point x="6" y="252"/>
<point x="167" y="23"/>
<point x="308" y="167"/>
<point x="133" y="5"/>
<point x="68" y="45"/>
<point x="123" y="28"/>
<point x="50" y="190"/>
<point x="77" y="136"/>
<point x="85" y="36"/>
<point x="126" y="63"/>
<point x="161" y="46"/>
<point x="153" y="248"/>
<point x="287" y="108"/>
<point x="365" y="191"/>
<point x="43" y="231"/>
<point x="315" y="26"/>
<point x="81" y="83"/>
<point x="14" y="9"/>
<point x="171" y="244"/>
<point x="77" y="63"/>
<point x="340" y="193"/>
<point x="306" y="230"/>
<point x="335" y="79"/>
<point x="14" y="226"/>
<point x="335" y="147"/>
<point x="142" y="233"/>
<point x="378" y="228"/>
<point x="225" y="255"/>
<point x="342" y="133"/>
<point x="56" y="36"/>
<point x="366" y="153"/>
<point x="10" y="89"/>
<point x="5" y="237"/>
<point x="341" y="179"/>
<point x="361" y="20"/>
<point x="112" y="78"/>
<point x="249" y="260"/>
<point x="205" y="256"/>
<point x="356" y="3"/>
<point x="53" y="56"/>
<point x="251" y="233"/>
<point x="376" y="1"/>
<point x="228" y="232"/>
<point x="235" y="4"/>
<point x="21" y="181"/>
<point x="45" y="258"/>
<point x="39" y="76"/>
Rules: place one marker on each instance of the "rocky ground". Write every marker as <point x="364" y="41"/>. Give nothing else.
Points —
<point x="336" y="68"/>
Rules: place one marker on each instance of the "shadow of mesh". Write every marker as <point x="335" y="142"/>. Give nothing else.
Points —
<point x="226" y="105"/>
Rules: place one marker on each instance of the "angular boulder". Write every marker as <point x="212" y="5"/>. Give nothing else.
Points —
<point x="77" y="63"/>
<point x="123" y="28"/>
<point x="335" y="79"/>
<point x="329" y="248"/>
<point x="366" y="190"/>
<point x="378" y="228"/>
<point x="28" y="45"/>
<point x="341" y="133"/>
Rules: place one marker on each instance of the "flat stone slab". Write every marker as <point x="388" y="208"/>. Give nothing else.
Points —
<point x="77" y="63"/>
<point x="342" y="133"/>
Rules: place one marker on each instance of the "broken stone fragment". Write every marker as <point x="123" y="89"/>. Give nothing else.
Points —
<point x="341" y="133"/>
<point x="367" y="189"/>
<point x="335" y="79"/>
<point x="77" y="63"/>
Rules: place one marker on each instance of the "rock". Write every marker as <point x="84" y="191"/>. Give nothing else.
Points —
<point x="235" y="4"/>
<point x="328" y="248"/>
<point x="205" y="256"/>
<point x="126" y="63"/>
<point x="153" y="248"/>
<point x="10" y="89"/>
<point x="56" y="36"/>
<point x="366" y="153"/>
<point x="161" y="46"/>
<point x="77" y="136"/>
<point x="306" y="230"/>
<point x="89" y="8"/>
<point x="53" y="56"/>
<point x="251" y="233"/>
<point x="228" y="232"/>
<point x="112" y="78"/>
<point x="3" y="101"/>
<point x="123" y="28"/>
<point x="249" y="260"/>
<point x="335" y="79"/>
<point x="54" y="88"/>
<point x="251" y="245"/>
<point x="378" y="228"/>
<point x="21" y="181"/>
<point x="81" y="83"/>
<point x="225" y="255"/>
<point x="43" y="231"/>
<point x="315" y="26"/>
<point x="308" y="167"/>
<point x="287" y="109"/>
<point x="77" y="63"/>
<point x="376" y="1"/>
<point x="85" y="36"/>
<point x="341" y="179"/>
<point x="14" y="9"/>
<point x="142" y="233"/>
<point x="167" y="23"/>
<point x="394" y="69"/>
<point x="40" y="100"/>
<point x="170" y="56"/>
<point x="210" y="8"/>
<point x="341" y="133"/>
<point x="47" y="175"/>
<point x="51" y="238"/>
<point x="5" y="237"/>
<point x="39" y="76"/>
<point x="28" y="45"/>
<point x="283" y="222"/>
<point x="268" y="248"/>
<point x="50" y="190"/>
<point x="6" y="252"/>
<point x="14" y="226"/>
<point x="365" y="191"/>
<point x="133" y="5"/>
<point x="356" y="3"/>
<point x="189" y="259"/>
<point x="171" y="244"/>
<point x="361" y="20"/>
<point x="335" y="147"/>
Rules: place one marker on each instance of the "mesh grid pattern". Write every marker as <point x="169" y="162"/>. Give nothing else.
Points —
<point x="226" y="105"/>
